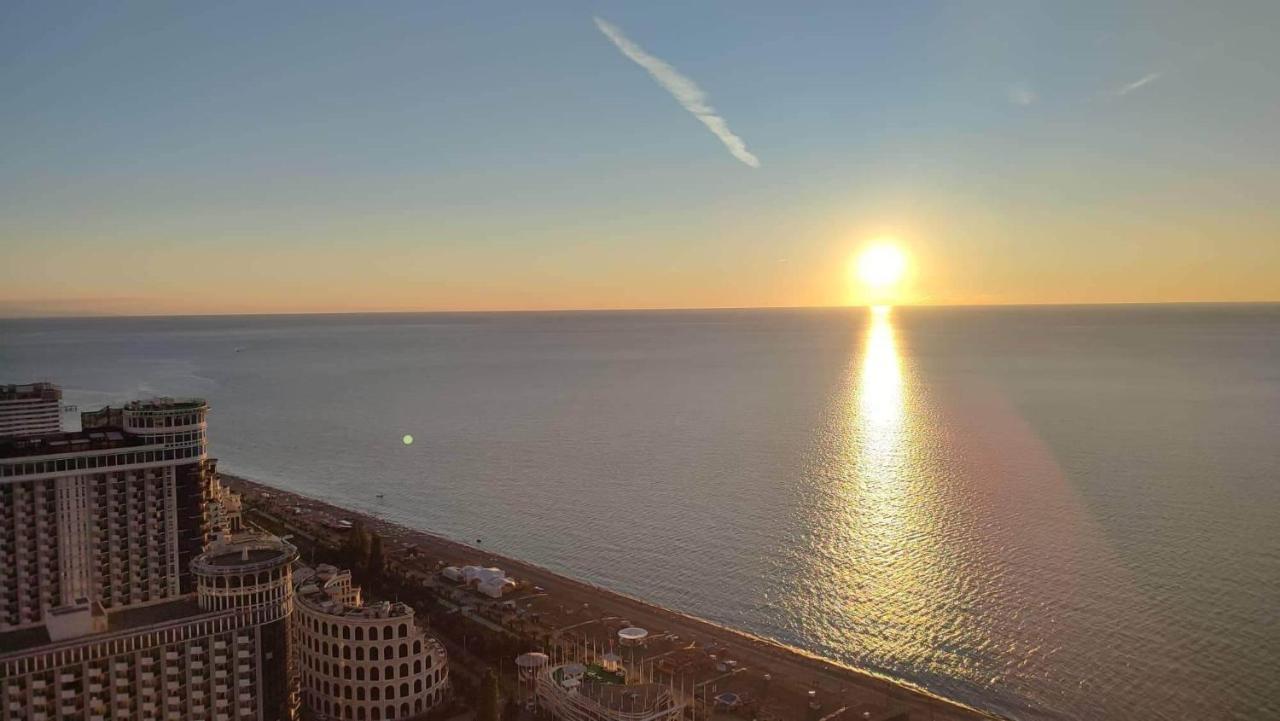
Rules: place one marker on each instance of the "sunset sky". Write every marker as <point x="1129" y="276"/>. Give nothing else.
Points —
<point x="298" y="157"/>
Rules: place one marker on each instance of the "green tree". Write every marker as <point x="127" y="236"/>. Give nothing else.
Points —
<point x="489" y="706"/>
<point x="356" y="547"/>
<point x="376" y="562"/>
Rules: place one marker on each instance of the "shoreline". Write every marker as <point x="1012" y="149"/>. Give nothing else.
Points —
<point x="794" y="668"/>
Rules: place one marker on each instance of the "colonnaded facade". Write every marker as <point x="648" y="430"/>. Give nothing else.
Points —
<point x="362" y="662"/>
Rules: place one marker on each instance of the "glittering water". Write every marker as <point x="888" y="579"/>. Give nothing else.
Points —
<point x="1051" y="513"/>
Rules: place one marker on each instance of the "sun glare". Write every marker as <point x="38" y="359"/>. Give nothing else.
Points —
<point x="881" y="266"/>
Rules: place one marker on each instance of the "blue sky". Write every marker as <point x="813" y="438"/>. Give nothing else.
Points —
<point x="452" y="155"/>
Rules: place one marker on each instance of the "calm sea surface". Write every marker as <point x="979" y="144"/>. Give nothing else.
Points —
<point x="1051" y="513"/>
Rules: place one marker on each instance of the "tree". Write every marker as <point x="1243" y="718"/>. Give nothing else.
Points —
<point x="489" y="705"/>
<point x="376" y="562"/>
<point x="356" y="547"/>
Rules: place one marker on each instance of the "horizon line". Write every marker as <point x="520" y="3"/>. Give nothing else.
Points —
<point x="651" y="309"/>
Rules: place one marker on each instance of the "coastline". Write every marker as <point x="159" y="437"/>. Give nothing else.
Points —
<point x="839" y="687"/>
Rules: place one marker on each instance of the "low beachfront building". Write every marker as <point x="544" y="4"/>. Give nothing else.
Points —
<point x="492" y="582"/>
<point x="362" y="662"/>
<point x="569" y="693"/>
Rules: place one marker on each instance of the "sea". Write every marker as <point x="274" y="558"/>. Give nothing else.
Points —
<point x="1044" y="512"/>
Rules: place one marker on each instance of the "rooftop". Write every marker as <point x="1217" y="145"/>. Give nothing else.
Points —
<point x="328" y="590"/>
<point x="26" y="639"/>
<point x="243" y="553"/>
<point x="30" y="391"/>
<point x="97" y="439"/>
<point x="166" y="404"/>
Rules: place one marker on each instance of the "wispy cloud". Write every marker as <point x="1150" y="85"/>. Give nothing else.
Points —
<point x="1144" y="80"/>
<point x="1021" y="94"/>
<point x="684" y="90"/>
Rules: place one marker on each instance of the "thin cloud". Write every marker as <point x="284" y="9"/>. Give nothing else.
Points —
<point x="685" y="91"/>
<point x="1144" y="80"/>
<point x="1021" y="94"/>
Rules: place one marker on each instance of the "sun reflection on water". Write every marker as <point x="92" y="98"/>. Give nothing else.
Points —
<point x="880" y="388"/>
<point x="878" y="529"/>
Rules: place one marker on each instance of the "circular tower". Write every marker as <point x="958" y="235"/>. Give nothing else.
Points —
<point x="251" y="574"/>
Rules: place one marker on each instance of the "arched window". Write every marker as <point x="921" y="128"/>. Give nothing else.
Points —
<point x="346" y="671"/>
<point x="373" y="653"/>
<point x="359" y="633"/>
<point x="404" y="630"/>
<point x="404" y="670"/>
<point x="360" y="713"/>
<point x="377" y="713"/>
<point x="359" y="693"/>
<point x="359" y="653"/>
<point x="404" y="709"/>
<point x="417" y="665"/>
<point x="417" y="685"/>
<point x="375" y="693"/>
<point x="404" y="690"/>
<point x="346" y="712"/>
<point x="404" y="650"/>
<point x="373" y="674"/>
<point x="359" y="673"/>
<point x="346" y="633"/>
<point x="391" y="692"/>
<point x="346" y="652"/>
<point x="417" y="647"/>
<point x="391" y="712"/>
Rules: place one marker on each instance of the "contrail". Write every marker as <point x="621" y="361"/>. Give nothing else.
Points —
<point x="685" y="91"/>
<point x="1148" y="78"/>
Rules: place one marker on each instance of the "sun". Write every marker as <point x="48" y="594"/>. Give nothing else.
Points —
<point x="881" y="266"/>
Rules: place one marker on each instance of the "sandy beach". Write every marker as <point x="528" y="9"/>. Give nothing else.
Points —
<point x="839" y="691"/>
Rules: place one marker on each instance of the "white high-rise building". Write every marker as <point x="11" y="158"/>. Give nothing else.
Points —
<point x="222" y="654"/>
<point x="113" y="513"/>
<point x="31" y="409"/>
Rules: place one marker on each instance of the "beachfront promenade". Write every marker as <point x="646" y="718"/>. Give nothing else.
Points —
<point x="574" y="620"/>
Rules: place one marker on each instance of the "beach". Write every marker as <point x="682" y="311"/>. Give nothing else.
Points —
<point x="801" y="685"/>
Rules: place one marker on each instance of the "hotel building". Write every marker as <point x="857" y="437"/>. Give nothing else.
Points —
<point x="127" y="593"/>
<point x="223" y="654"/>
<point x="30" y="409"/>
<point x="114" y="513"/>
<point x="362" y="662"/>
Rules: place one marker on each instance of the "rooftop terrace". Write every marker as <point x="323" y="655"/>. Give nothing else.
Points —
<point x="133" y="619"/>
<point x="97" y="439"/>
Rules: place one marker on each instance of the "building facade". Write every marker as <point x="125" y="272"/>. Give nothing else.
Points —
<point x="220" y="655"/>
<point x="114" y="513"/>
<point x="362" y="662"/>
<point x="30" y="409"/>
